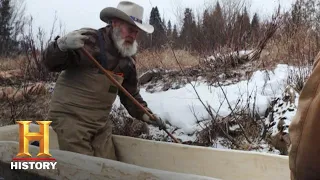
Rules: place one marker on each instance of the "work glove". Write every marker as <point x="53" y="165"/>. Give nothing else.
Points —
<point x="74" y="39"/>
<point x="157" y="122"/>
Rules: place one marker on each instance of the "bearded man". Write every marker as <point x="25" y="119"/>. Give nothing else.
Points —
<point x="83" y="96"/>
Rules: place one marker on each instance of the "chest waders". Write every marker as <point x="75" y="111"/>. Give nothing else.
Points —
<point x="79" y="110"/>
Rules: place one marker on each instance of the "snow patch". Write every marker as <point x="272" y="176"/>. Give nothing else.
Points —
<point x="181" y="107"/>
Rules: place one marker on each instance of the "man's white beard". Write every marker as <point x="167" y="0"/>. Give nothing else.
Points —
<point x="125" y="50"/>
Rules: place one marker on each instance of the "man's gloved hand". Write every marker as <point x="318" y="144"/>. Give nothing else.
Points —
<point x="74" y="39"/>
<point x="158" y="122"/>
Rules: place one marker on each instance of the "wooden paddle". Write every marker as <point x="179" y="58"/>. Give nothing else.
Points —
<point x="108" y="74"/>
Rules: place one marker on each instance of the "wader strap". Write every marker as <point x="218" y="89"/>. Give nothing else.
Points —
<point x="102" y="56"/>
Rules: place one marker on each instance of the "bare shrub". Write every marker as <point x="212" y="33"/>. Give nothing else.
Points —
<point x="26" y="96"/>
<point x="298" y="77"/>
<point x="24" y="106"/>
<point x="242" y="128"/>
<point x="297" y="40"/>
<point x="33" y="48"/>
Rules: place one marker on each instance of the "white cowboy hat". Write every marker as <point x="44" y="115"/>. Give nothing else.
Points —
<point x="127" y="11"/>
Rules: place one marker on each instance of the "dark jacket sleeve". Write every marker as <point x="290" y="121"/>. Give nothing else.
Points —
<point x="130" y="83"/>
<point x="56" y="60"/>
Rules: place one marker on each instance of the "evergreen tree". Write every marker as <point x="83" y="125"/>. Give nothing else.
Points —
<point x="246" y="21"/>
<point x="255" y="28"/>
<point x="6" y="42"/>
<point x="157" y="37"/>
<point x="144" y="40"/>
<point x="242" y="29"/>
<point x="164" y="24"/>
<point x="169" y="30"/>
<point x="255" y="22"/>
<point x="296" y="13"/>
<point x="175" y="36"/>
<point x="206" y="26"/>
<point x="217" y="26"/>
<point x="188" y="29"/>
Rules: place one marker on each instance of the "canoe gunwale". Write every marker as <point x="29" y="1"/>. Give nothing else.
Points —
<point x="183" y="159"/>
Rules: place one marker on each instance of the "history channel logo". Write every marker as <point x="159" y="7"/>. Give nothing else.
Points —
<point x="24" y="160"/>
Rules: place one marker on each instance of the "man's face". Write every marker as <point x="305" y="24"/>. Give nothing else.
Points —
<point x="128" y="32"/>
<point x="124" y="36"/>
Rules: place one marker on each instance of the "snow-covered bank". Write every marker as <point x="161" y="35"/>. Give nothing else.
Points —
<point x="180" y="106"/>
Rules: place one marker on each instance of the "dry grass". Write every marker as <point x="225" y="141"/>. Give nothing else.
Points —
<point x="165" y="59"/>
<point x="11" y="64"/>
<point x="146" y="60"/>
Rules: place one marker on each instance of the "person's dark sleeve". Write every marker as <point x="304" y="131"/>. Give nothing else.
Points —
<point x="56" y="60"/>
<point x="130" y="83"/>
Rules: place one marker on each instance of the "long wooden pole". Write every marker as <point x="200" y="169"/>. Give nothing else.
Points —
<point x="108" y="74"/>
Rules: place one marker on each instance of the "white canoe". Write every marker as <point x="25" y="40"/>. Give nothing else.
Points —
<point x="145" y="159"/>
